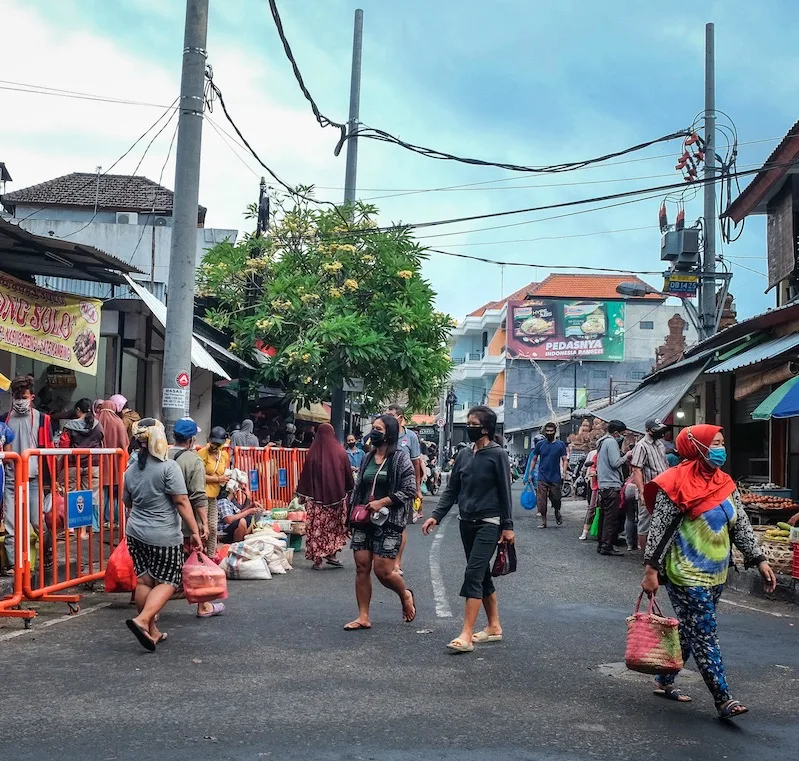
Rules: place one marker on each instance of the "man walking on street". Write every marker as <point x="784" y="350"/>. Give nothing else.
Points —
<point x="610" y="462"/>
<point x="408" y="441"/>
<point x="354" y="454"/>
<point x="551" y="457"/>
<point x="648" y="462"/>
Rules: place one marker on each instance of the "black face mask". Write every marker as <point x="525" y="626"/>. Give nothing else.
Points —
<point x="474" y="433"/>
<point x="377" y="438"/>
<point x="549" y="436"/>
<point x="351" y="445"/>
<point x="657" y="434"/>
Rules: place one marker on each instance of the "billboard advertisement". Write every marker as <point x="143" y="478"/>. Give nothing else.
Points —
<point x="564" y="329"/>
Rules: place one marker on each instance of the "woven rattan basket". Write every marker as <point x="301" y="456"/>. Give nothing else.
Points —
<point x="778" y="554"/>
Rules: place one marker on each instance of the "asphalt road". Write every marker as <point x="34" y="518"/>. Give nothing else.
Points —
<point x="277" y="677"/>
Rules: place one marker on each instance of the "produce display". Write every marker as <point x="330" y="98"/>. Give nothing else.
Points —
<point x="780" y="533"/>
<point x="768" y="502"/>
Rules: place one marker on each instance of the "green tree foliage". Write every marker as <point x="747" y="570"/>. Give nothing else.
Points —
<point x="336" y="299"/>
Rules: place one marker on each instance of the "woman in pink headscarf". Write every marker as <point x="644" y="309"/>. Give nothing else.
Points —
<point x="129" y="416"/>
<point x="116" y="437"/>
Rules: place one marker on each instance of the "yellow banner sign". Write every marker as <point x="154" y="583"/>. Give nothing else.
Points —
<point x="49" y="326"/>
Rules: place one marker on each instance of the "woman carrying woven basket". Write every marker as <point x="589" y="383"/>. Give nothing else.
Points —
<point x="698" y="515"/>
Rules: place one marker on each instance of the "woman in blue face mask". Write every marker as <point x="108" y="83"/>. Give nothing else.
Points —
<point x="698" y="515"/>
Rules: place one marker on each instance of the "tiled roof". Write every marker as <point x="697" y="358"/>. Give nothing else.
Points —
<point x="121" y="192"/>
<point x="588" y="286"/>
<point x="519" y="295"/>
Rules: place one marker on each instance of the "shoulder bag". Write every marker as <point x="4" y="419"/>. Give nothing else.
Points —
<point x="361" y="515"/>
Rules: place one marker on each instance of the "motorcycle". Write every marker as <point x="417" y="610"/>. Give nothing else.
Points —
<point x="432" y="475"/>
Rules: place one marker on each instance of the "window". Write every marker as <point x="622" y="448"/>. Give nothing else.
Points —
<point x="600" y="374"/>
<point x="638" y="374"/>
<point x="647" y="325"/>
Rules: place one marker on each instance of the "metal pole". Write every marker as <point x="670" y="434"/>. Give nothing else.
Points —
<point x="182" y="259"/>
<point x="350" y="182"/>
<point x="442" y="430"/>
<point x="708" y="279"/>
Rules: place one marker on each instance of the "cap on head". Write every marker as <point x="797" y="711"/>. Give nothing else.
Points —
<point x="616" y="426"/>
<point x="218" y="435"/>
<point x="186" y="428"/>
<point x="655" y="425"/>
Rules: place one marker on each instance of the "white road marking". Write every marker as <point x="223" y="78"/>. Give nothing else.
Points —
<point x="436" y="577"/>
<point x="756" y="610"/>
<point x="53" y="622"/>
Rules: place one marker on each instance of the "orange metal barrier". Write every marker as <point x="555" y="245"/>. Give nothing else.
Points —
<point x="273" y="471"/>
<point x="81" y="486"/>
<point x="10" y="606"/>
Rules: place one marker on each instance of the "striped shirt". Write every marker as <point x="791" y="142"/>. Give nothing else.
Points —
<point x="650" y="455"/>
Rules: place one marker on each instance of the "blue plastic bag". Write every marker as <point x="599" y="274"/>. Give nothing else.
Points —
<point x="528" y="498"/>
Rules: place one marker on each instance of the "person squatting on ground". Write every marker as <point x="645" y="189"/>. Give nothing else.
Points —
<point x="550" y="457"/>
<point x="324" y="484"/>
<point x="387" y="483"/>
<point x="480" y="484"/>
<point x="156" y="498"/>
<point x="698" y="515"/>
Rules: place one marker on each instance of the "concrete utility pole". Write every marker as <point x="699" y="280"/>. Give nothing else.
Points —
<point x="707" y="306"/>
<point x="350" y="184"/>
<point x="182" y="258"/>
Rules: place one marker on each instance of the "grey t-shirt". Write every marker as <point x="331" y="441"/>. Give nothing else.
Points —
<point x="409" y="441"/>
<point x="153" y="517"/>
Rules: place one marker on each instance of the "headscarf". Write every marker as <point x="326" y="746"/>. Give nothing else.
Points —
<point x="116" y="436"/>
<point x="151" y="432"/>
<point x="96" y="406"/>
<point x="327" y="475"/>
<point x="119" y="402"/>
<point x="692" y="485"/>
<point x="245" y="437"/>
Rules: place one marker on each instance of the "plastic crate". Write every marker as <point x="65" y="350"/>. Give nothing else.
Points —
<point x="795" y="573"/>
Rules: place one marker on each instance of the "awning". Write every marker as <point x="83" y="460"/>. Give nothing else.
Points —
<point x="24" y="254"/>
<point x="314" y="413"/>
<point x="781" y="403"/>
<point x="199" y="356"/>
<point x="760" y="353"/>
<point x="654" y="400"/>
<point x="221" y="351"/>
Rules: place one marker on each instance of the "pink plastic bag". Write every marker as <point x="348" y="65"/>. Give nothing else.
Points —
<point x="203" y="580"/>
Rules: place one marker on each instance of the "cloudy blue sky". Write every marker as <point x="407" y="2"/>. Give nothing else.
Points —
<point x="523" y="81"/>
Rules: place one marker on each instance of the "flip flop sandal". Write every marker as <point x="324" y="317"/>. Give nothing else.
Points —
<point x="356" y="627"/>
<point x="727" y="710"/>
<point x="674" y="694"/>
<point x="413" y="600"/>
<point x="163" y="638"/>
<point x="459" y="647"/>
<point x="141" y="635"/>
<point x="483" y="637"/>
<point x="335" y="563"/>
<point x="217" y="609"/>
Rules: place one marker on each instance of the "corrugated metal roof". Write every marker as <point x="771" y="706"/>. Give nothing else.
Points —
<point x="199" y="356"/>
<point x="655" y="400"/>
<point x="764" y="351"/>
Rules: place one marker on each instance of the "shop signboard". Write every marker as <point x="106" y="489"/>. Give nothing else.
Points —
<point x="563" y="329"/>
<point x="48" y="326"/>
<point x="566" y="397"/>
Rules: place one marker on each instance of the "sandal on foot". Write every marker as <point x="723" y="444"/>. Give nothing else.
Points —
<point x="458" y="646"/>
<point x="144" y="639"/>
<point x="405" y="618"/>
<point x="673" y="693"/>
<point x="356" y="626"/>
<point x="731" y="709"/>
<point x="335" y="563"/>
<point x="217" y="609"/>
<point x="484" y="636"/>
<point x="162" y="638"/>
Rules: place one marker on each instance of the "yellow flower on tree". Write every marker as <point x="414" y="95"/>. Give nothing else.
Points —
<point x="335" y="292"/>
<point x="350" y="284"/>
<point x="308" y="298"/>
<point x="405" y="274"/>
<point x="332" y="266"/>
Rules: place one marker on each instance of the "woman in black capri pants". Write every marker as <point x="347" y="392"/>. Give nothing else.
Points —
<point x="480" y="484"/>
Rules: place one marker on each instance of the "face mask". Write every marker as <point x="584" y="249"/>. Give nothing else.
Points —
<point x="657" y="434"/>
<point x="475" y="433"/>
<point x="351" y="444"/>
<point x="549" y="436"/>
<point x="717" y="456"/>
<point x="377" y="438"/>
<point x="22" y="406"/>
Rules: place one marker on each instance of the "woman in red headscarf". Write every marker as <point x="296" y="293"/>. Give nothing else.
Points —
<point x="324" y="484"/>
<point x="698" y="515"/>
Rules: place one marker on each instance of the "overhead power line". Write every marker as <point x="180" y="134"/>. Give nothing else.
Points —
<point x="59" y="93"/>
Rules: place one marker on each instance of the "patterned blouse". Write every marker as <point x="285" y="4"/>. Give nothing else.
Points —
<point x="696" y="553"/>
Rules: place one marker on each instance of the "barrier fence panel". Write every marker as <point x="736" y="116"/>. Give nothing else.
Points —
<point x="273" y="472"/>
<point x="74" y="504"/>
<point x="14" y="500"/>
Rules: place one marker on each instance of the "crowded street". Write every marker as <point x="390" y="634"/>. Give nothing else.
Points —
<point x="277" y="677"/>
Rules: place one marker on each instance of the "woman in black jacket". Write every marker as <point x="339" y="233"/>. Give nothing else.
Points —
<point x="480" y="484"/>
<point x="386" y="482"/>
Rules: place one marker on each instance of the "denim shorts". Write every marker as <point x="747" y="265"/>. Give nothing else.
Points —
<point x="383" y="541"/>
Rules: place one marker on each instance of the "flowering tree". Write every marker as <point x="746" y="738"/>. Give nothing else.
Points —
<point x="336" y="299"/>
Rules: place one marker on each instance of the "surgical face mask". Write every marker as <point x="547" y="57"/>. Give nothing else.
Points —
<point x="474" y="432"/>
<point x="717" y="456"/>
<point x="22" y="406"/>
<point x="377" y="438"/>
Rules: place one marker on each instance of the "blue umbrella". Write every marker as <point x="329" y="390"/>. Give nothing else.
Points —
<point x="780" y="403"/>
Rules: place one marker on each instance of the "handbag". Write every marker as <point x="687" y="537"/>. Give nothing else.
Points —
<point x="653" y="641"/>
<point x="505" y="561"/>
<point x="594" y="530"/>
<point x="361" y="515"/>
<point x="528" y="497"/>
